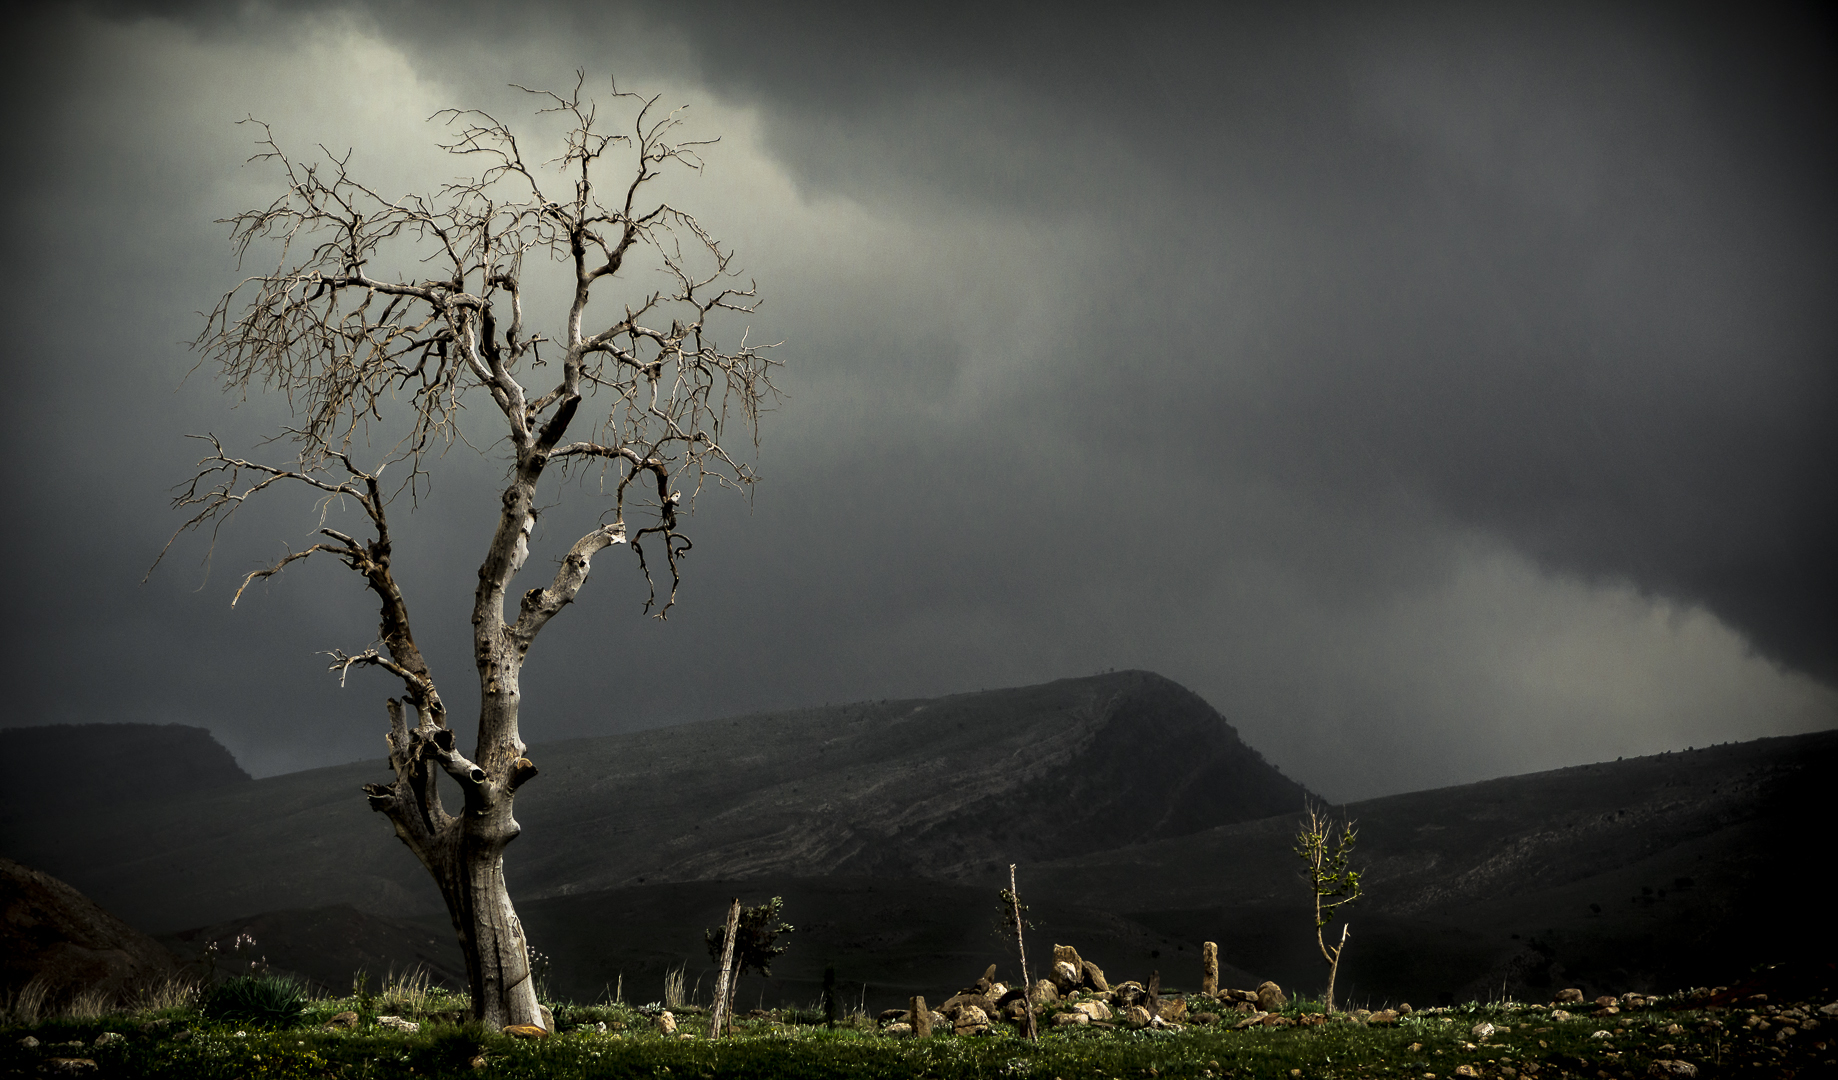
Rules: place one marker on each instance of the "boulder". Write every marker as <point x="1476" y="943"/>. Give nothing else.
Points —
<point x="665" y="1023"/>
<point x="1092" y="975"/>
<point x="1270" y="996"/>
<point x="1066" y="977"/>
<point x="1173" y="1010"/>
<point x="1128" y="993"/>
<point x="1480" y="1031"/>
<point x="898" y="1030"/>
<point x="1073" y="1018"/>
<point x="1044" y="992"/>
<point x="971" y="1020"/>
<point x="1093" y="1010"/>
<point x="409" y="1027"/>
<point x="1383" y="1018"/>
<point x="343" y="1020"/>
<point x="1568" y="997"/>
<point x="921" y="1018"/>
<point x="537" y="1031"/>
<point x="1136" y="1016"/>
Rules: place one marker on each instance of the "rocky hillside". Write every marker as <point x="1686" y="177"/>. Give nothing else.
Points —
<point x="950" y="788"/>
<point x="52" y="933"/>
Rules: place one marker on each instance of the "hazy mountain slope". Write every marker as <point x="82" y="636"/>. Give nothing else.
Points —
<point x="63" y="766"/>
<point x="945" y="788"/>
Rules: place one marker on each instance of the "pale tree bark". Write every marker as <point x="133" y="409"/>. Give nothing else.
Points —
<point x="379" y="369"/>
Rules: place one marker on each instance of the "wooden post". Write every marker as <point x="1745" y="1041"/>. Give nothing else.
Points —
<point x="922" y="1019"/>
<point x="1209" y="968"/>
<point x="724" y="988"/>
<point x="1155" y="995"/>
<point x="1027" y="991"/>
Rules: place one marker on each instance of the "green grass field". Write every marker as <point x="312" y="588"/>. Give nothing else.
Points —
<point x="1760" y="1039"/>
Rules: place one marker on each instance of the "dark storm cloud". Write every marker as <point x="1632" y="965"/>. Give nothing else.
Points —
<point x="1259" y="348"/>
<point x="1569" y="270"/>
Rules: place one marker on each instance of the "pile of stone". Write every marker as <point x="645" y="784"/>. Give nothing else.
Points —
<point x="1076" y="993"/>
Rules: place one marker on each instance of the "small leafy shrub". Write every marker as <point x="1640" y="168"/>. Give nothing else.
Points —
<point x="264" y="1000"/>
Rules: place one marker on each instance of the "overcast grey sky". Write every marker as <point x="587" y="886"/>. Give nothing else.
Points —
<point x="1442" y="391"/>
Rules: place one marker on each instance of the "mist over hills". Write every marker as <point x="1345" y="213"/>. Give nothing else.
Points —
<point x="1142" y="825"/>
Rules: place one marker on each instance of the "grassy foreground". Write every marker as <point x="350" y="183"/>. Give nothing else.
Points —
<point x="1671" y="1037"/>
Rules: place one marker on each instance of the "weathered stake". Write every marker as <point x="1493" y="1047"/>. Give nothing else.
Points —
<point x="922" y="1018"/>
<point x="724" y="982"/>
<point x="1027" y="990"/>
<point x="1209" y="968"/>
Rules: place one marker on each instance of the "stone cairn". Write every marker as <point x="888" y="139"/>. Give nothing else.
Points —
<point x="1076" y="993"/>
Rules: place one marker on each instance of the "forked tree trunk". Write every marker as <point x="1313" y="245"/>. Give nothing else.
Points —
<point x="497" y="954"/>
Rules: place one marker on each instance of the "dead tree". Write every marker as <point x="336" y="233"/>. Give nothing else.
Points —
<point x="382" y="368"/>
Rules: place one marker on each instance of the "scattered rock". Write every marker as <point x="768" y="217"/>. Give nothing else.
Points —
<point x="409" y="1027"/>
<point x="1665" y="1067"/>
<point x="1466" y="1070"/>
<point x="1567" y="997"/>
<point x="1173" y="1010"/>
<point x="1202" y="1018"/>
<point x="1481" y="1030"/>
<point x="1383" y="1018"/>
<point x="665" y="1023"/>
<point x="1559" y="1015"/>
<point x="1094" y="1010"/>
<point x="1066" y="977"/>
<point x="1270" y="996"/>
<point x="1606" y="1002"/>
<point x="1044" y="992"/>
<point x="1074" y="1018"/>
<point x="1254" y="1018"/>
<point x="548" y="1018"/>
<point x="29" y="1043"/>
<point x="889" y="1016"/>
<point x="69" y="1066"/>
<point x="478" y="1061"/>
<point x="899" y="1029"/>
<point x="346" y="1019"/>
<point x="108" y="1037"/>
<point x="1136" y="1016"/>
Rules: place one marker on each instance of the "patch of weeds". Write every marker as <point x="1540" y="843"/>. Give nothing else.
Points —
<point x="263" y="1000"/>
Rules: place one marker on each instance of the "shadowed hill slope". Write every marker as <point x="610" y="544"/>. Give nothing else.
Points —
<point x="1648" y="873"/>
<point x="950" y="788"/>
<point x="51" y="933"/>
